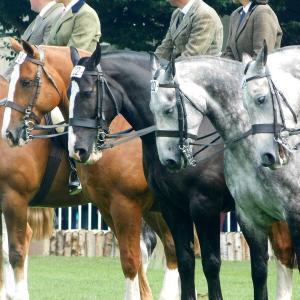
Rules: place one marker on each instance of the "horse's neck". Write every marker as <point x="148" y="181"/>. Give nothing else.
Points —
<point x="224" y="102"/>
<point x="134" y="82"/>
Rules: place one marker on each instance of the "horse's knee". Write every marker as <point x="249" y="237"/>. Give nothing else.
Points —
<point x="211" y="266"/>
<point x="186" y="262"/>
<point x="16" y="256"/>
<point x="130" y="266"/>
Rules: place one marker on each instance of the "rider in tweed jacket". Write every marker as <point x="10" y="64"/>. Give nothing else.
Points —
<point x="200" y="31"/>
<point x="247" y="35"/>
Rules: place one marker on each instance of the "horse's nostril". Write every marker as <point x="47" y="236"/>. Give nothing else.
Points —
<point x="171" y="163"/>
<point x="83" y="154"/>
<point x="268" y="159"/>
<point x="11" y="137"/>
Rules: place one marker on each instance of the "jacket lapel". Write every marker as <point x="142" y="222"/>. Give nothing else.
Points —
<point x="241" y="27"/>
<point x="186" y="19"/>
<point x="68" y="15"/>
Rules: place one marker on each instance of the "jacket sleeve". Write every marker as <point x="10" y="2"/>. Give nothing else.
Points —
<point x="164" y="50"/>
<point x="201" y="36"/>
<point x="264" y="28"/>
<point x="85" y="28"/>
<point x="228" y="51"/>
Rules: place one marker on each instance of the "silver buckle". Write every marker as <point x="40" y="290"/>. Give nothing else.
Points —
<point x="186" y="151"/>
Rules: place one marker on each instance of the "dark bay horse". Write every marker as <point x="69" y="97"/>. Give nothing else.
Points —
<point x="121" y="82"/>
<point x="121" y="195"/>
<point x="211" y="86"/>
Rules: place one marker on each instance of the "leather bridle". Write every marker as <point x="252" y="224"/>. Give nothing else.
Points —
<point x="98" y="123"/>
<point x="277" y="128"/>
<point x="30" y="118"/>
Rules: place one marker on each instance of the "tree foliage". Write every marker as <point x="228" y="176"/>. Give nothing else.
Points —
<point x="141" y="24"/>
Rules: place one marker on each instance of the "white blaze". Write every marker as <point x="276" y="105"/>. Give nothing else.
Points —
<point x="72" y="136"/>
<point x="11" y="92"/>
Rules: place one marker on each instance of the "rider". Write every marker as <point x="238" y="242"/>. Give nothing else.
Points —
<point x="79" y="26"/>
<point x="195" y="29"/>
<point x="250" y="25"/>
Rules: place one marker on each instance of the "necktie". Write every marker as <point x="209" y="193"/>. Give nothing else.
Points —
<point x="179" y="19"/>
<point x="242" y="16"/>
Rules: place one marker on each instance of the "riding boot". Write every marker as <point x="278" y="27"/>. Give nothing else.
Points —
<point x="74" y="181"/>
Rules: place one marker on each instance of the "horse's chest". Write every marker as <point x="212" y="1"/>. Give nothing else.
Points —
<point x="252" y="193"/>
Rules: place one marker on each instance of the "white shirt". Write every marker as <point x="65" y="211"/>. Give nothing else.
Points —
<point x="187" y="7"/>
<point x="46" y="8"/>
<point x="246" y="8"/>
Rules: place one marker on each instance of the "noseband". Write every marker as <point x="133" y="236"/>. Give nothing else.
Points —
<point x="97" y="123"/>
<point x="280" y="131"/>
<point x="30" y="118"/>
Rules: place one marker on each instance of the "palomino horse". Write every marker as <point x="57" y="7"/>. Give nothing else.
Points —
<point x="210" y="86"/>
<point x="271" y="97"/>
<point x="116" y="185"/>
<point x="120" y="82"/>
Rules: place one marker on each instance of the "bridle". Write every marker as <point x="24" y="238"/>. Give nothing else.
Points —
<point x="182" y="132"/>
<point x="98" y="123"/>
<point x="30" y="118"/>
<point x="277" y="128"/>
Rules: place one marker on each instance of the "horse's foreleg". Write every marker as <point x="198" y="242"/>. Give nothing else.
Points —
<point x="208" y="229"/>
<point x="257" y="240"/>
<point x="126" y="217"/>
<point x="181" y="227"/>
<point x="281" y="241"/>
<point x="171" y="284"/>
<point x="15" y="211"/>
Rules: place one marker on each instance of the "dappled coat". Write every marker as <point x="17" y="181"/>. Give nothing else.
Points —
<point x="259" y="24"/>
<point x="38" y="31"/>
<point x="200" y="32"/>
<point x="78" y="27"/>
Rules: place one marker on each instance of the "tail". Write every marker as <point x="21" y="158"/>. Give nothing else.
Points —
<point x="41" y="222"/>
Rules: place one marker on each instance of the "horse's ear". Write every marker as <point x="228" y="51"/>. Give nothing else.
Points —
<point x="15" y="45"/>
<point x="154" y="63"/>
<point x="28" y="48"/>
<point x="74" y="55"/>
<point x="262" y="56"/>
<point x="96" y="56"/>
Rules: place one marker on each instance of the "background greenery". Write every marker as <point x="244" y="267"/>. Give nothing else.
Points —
<point x="141" y="24"/>
<point x="101" y="278"/>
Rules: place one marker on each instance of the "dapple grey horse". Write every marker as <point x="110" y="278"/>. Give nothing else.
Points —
<point x="272" y="95"/>
<point x="212" y="86"/>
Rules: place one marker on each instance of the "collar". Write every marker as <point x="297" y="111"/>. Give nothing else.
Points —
<point x="247" y="7"/>
<point x="46" y="8"/>
<point x="187" y="7"/>
<point x="74" y="5"/>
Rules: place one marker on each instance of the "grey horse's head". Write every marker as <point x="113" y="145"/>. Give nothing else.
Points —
<point x="163" y="106"/>
<point x="263" y="108"/>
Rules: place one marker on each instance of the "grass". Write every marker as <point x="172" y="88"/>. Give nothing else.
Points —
<point x="83" y="278"/>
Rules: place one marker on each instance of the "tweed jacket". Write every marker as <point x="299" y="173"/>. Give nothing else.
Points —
<point x="259" y="24"/>
<point x="200" y="32"/>
<point x="38" y="31"/>
<point x="78" y="27"/>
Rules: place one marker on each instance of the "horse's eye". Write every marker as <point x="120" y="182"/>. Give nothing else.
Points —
<point x="25" y="83"/>
<point x="261" y="100"/>
<point x="169" y="110"/>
